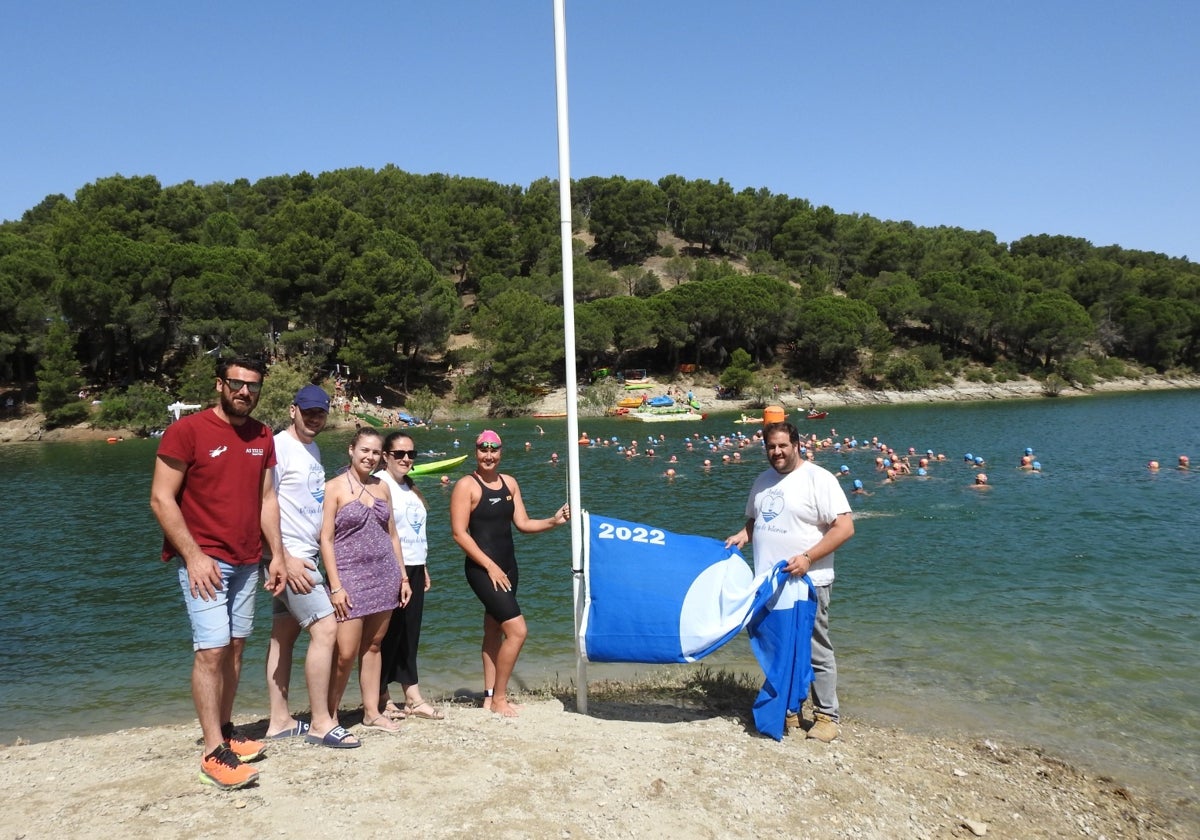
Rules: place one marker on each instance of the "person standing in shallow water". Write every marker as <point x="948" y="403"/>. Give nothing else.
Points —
<point x="484" y="507"/>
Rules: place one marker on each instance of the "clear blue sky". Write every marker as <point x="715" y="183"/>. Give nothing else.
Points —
<point x="1076" y="118"/>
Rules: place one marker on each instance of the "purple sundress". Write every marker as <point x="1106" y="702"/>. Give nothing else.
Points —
<point x="366" y="563"/>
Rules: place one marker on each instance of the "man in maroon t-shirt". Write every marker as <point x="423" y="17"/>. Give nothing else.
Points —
<point x="214" y="497"/>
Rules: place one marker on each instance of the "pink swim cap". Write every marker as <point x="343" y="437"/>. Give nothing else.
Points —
<point x="488" y="436"/>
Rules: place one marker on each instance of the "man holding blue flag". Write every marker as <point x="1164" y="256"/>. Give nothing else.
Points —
<point x="798" y="512"/>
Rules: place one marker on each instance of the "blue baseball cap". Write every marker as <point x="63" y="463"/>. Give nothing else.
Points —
<point x="310" y="396"/>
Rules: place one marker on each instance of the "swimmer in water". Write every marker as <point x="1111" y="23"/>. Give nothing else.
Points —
<point x="981" y="482"/>
<point x="1184" y="463"/>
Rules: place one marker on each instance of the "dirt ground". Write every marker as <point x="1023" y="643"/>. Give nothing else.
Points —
<point x="625" y="770"/>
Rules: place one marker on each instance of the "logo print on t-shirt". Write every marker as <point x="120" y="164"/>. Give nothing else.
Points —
<point x="414" y="518"/>
<point x="771" y="505"/>
<point x="316" y="482"/>
<point x="218" y="452"/>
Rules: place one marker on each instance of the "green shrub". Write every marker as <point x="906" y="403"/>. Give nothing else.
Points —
<point x="1111" y="367"/>
<point x="422" y="403"/>
<point x="979" y="375"/>
<point x="906" y="373"/>
<point x="1053" y="384"/>
<point x="70" y="414"/>
<point x="1080" y="371"/>
<point x="929" y="356"/>
<point x="1006" y="370"/>
<point x="142" y="408"/>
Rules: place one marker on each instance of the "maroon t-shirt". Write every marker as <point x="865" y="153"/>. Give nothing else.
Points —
<point x="221" y="496"/>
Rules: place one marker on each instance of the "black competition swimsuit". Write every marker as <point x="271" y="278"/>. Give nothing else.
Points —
<point x="490" y="526"/>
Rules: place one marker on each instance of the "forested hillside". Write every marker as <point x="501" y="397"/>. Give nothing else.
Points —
<point x="131" y="284"/>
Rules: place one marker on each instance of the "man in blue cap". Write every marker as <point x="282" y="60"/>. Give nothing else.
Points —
<point x="303" y="604"/>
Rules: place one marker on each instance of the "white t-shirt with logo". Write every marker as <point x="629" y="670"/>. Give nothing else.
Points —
<point x="300" y="485"/>
<point x="410" y="516"/>
<point x="791" y="513"/>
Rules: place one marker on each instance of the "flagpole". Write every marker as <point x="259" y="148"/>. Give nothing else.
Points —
<point x="572" y="446"/>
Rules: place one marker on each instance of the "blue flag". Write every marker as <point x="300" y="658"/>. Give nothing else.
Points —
<point x="656" y="596"/>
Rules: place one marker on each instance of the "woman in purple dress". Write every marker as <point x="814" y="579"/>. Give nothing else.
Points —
<point x="365" y="572"/>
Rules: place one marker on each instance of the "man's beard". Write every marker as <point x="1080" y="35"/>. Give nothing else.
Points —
<point x="235" y="409"/>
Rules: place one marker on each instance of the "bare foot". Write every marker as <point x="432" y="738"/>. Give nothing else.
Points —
<point x="503" y="708"/>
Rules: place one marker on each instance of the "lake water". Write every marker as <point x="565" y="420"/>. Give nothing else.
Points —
<point x="1057" y="609"/>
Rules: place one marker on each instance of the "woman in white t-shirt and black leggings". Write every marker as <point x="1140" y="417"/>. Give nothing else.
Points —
<point x="399" y="646"/>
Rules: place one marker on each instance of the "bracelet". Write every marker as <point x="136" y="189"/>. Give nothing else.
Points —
<point x="336" y="591"/>
<point x="404" y="580"/>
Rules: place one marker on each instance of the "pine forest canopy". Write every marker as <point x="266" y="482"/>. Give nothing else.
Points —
<point x="130" y="282"/>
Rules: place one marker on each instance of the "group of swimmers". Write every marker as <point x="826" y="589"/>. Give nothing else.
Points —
<point x="891" y="465"/>
<point x="1182" y="464"/>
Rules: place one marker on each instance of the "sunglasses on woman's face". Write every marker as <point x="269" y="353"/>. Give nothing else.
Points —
<point x="488" y="447"/>
<point x="411" y="454"/>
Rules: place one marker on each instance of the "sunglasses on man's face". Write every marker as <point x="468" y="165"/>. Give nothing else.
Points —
<point x="488" y="447"/>
<point x="236" y="385"/>
<point x="403" y="453"/>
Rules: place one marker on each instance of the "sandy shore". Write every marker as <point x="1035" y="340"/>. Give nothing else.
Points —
<point x="30" y="426"/>
<point x="959" y="391"/>
<point x="658" y="768"/>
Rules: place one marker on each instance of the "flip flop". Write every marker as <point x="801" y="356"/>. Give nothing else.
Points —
<point x="384" y="724"/>
<point x="301" y="728"/>
<point x="335" y="738"/>
<point x="432" y="714"/>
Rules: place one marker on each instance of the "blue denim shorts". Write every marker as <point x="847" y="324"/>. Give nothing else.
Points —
<point x="306" y="608"/>
<point x="230" y="615"/>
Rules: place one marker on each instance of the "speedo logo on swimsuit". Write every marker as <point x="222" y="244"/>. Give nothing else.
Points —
<point x="218" y="452"/>
<point x="495" y="500"/>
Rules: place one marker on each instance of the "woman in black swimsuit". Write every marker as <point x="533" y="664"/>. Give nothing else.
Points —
<point x="484" y="507"/>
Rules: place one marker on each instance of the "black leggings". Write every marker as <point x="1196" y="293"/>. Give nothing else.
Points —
<point x="399" y="646"/>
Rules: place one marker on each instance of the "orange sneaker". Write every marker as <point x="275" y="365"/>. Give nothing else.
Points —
<point x="246" y="749"/>
<point x="222" y="768"/>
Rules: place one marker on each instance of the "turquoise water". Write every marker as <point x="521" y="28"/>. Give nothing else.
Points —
<point x="1057" y="609"/>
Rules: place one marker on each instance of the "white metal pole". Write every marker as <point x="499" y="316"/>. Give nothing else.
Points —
<point x="572" y="445"/>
